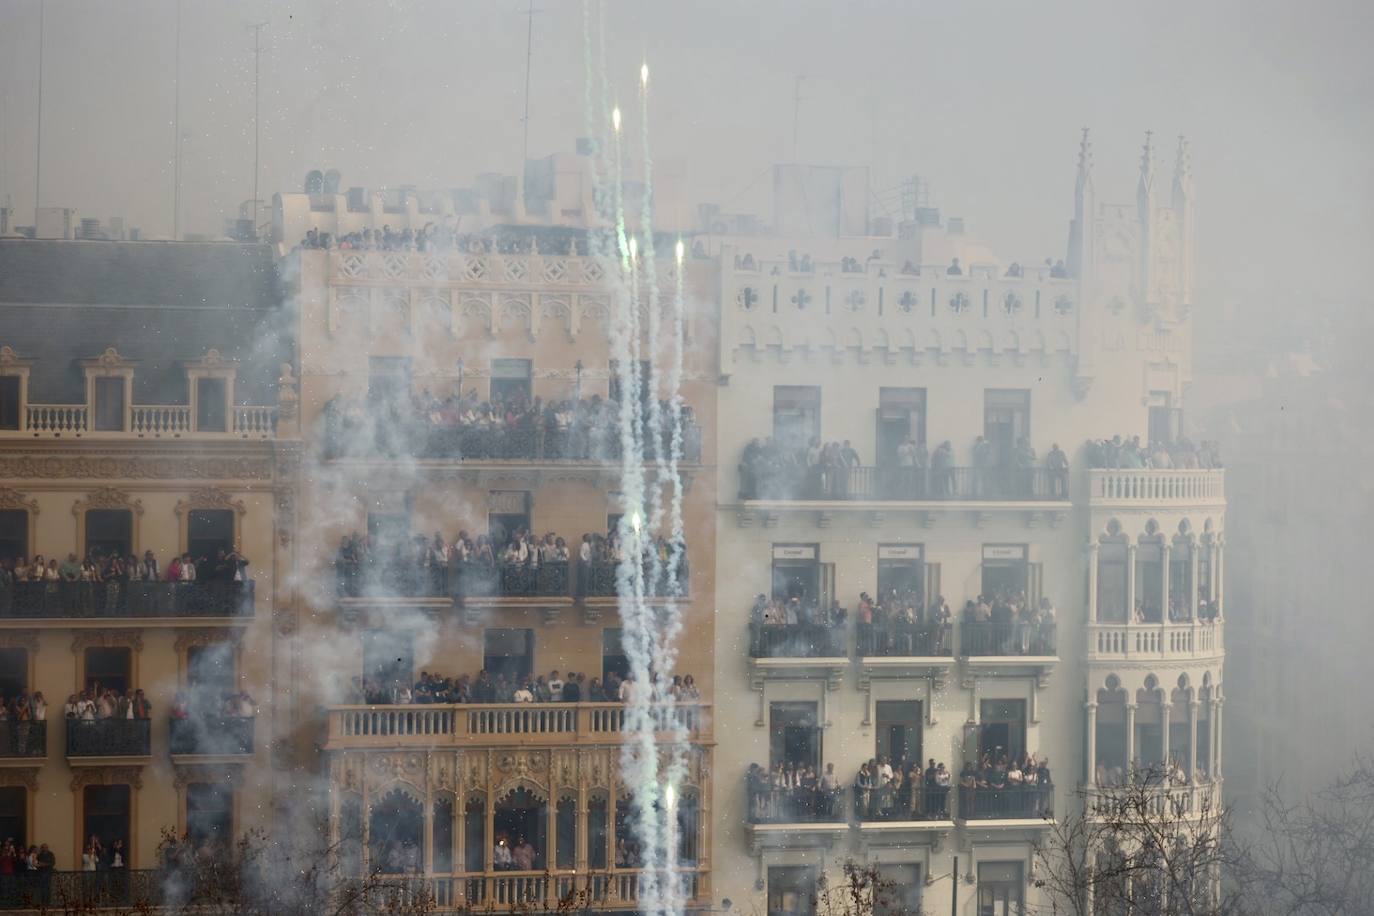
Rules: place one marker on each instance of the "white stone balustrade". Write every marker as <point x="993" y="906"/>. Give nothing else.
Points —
<point x="1164" y="641"/>
<point x="1128" y="487"/>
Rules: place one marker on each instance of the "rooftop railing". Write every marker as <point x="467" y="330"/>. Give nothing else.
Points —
<point x="905" y="484"/>
<point x="116" y="599"/>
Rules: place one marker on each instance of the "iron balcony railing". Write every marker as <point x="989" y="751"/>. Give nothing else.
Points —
<point x="908" y="803"/>
<point x="109" y="737"/>
<point x="383" y="437"/>
<point x="772" y="804"/>
<point x="1007" y="639"/>
<point x="904" y="483"/>
<point x="796" y="640"/>
<point x="82" y="891"/>
<point x="48" y="600"/>
<point x="23" y="738"/>
<point x="211" y="735"/>
<point x="598" y="580"/>
<point x="1006" y="802"/>
<point x="552" y="579"/>
<point x="897" y="640"/>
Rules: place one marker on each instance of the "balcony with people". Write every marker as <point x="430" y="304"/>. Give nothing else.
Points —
<point x="507" y="427"/>
<point x="1169" y="470"/>
<point x="24" y="726"/>
<point x="815" y="470"/>
<point x="1002" y="787"/>
<point x="889" y="792"/>
<point x="105" y="722"/>
<point x="112" y="584"/>
<point x="205" y="724"/>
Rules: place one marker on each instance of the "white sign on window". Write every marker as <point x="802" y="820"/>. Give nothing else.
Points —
<point x="903" y="552"/>
<point x="794" y="552"/>
<point x="1004" y="552"/>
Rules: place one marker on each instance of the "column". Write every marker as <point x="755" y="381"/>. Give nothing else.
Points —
<point x="1093" y="549"/>
<point x="1216" y="752"/>
<point x="1164" y="715"/>
<point x="1193" y="706"/>
<point x="1130" y="740"/>
<point x="1130" y="583"/>
<point x="1164" y="555"/>
<point x="1092" y="744"/>
<point x="1221" y="559"/>
<point x="1192" y="581"/>
<point x="427" y="842"/>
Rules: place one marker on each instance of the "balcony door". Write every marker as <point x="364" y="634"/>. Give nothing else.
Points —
<point x="209" y="531"/>
<point x="794" y="735"/>
<point x="796" y="415"/>
<point x="105" y="815"/>
<point x="1006" y="419"/>
<point x="898" y="734"/>
<point x="109" y="405"/>
<point x="900" y="571"/>
<point x="14" y="534"/>
<point x="209" y="676"/>
<point x="210" y="814"/>
<point x="109" y="668"/>
<point x="508" y="653"/>
<point x="901" y="416"/>
<point x="791" y="890"/>
<point x="109" y="531"/>
<point x="14" y="814"/>
<point x="1001" y="889"/>
<point x="212" y="400"/>
<point x="388" y="658"/>
<point x="1001" y="729"/>
<point x="1005" y="570"/>
<point x="9" y="402"/>
<point x="797" y="573"/>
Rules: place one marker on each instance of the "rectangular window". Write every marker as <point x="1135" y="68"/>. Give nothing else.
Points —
<point x="1004" y="571"/>
<point x="613" y="658"/>
<point x="508" y="511"/>
<point x="794" y="735"/>
<point x="209" y="531"/>
<point x="9" y="402"/>
<point x="14" y="534"/>
<point x="901" y="418"/>
<point x="388" y="380"/>
<point x="1001" y="889"/>
<point x="212" y="408"/>
<point x="109" y="667"/>
<point x="1164" y="418"/>
<point x="105" y="815"/>
<point x="796" y="415"/>
<point x="210" y="676"/>
<point x="508" y="653"/>
<point x="1112" y="582"/>
<point x="109" y="405"/>
<point x="1006" y="421"/>
<point x="14" y="672"/>
<point x="210" y="814"/>
<point x="900" y="572"/>
<point x="14" y="814"/>
<point x="109" y="531"/>
<point x="388" y="659"/>
<point x="510" y="381"/>
<point x="1149" y="582"/>
<point x="1001" y="729"/>
<point x="898" y="735"/>
<point x="900" y="893"/>
<point x="791" y="890"/>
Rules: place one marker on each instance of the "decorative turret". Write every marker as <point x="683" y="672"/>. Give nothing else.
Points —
<point x="1084" y="204"/>
<point x="1145" y="209"/>
<point x="1183" y="214"/>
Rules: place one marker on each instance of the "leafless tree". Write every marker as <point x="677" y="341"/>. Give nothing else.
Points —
<point x="1142" y="847"/>
<point x="1316" y="857"/>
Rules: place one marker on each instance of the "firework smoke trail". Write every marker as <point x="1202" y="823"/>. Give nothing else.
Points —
<point x="654" y="431"/>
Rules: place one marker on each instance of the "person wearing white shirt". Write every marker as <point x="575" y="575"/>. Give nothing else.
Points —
<point x="555" y="687"/>
<point x="523" y="694"/>
<point x="627" y="690"/>
<point x="884" y="769"/>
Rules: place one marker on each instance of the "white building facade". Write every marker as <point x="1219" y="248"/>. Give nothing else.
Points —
<point x="862" y="343"/>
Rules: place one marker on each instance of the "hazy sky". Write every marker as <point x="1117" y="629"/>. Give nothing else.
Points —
<point x="984" y="100"/>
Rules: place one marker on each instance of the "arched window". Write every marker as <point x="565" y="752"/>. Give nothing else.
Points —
<point x="688" y="829"/>
<point x="351" y="836"/>
<point x="521" y="822"/>
<point x="598" y="834"/>
<point x="395" y="841"/>
<point x="442" y="837"/>
<point x="565" y="834"/>
<point x="475" y="834"/>
<point x="626" y="839"/>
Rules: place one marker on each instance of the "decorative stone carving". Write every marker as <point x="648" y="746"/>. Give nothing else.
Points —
<point x="210" y="498"/>
<point x="84" y="639"/>
<point x="13" y="499"/>
<point x="19" y="639"/>
<point x="288" y="398"/>
<point x="106" y="776"/>
<point x="9" y="358"/>
<point x="186" y="637"/>
<point x="134" y="468"/>
<point x="20" y="777"/>
<point x="227" y="773"/>
<point x="108" y="498"/>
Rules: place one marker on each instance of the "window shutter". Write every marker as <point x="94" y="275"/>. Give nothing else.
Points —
<point x="827" y="584"/>
<point x="932" y="577"/>
<point x="1035" y="574"/>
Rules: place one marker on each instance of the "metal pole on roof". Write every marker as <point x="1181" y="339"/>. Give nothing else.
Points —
<point x="38" y="142"/>
<point x="176" y="139"/>
<point x="257" y="28"/>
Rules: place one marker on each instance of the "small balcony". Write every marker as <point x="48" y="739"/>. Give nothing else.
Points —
<point x="1199" y="640"/>
<point x="782" y="816"/>
<point x="796" y="650"/>
<point x="23" y="740"/>
<point x="1006" y="803"/>
<point x="1156" y="488"/>
<point x="491" y="724"/>
<point x="102" y="738"/>
<point x="904" y="650"/>
<point x="115" y="600"/>
<point x="1165" y="802"/>
<point x="534" y="891"/>
<point x="211" y="736"/>
<point x="904" y="484"/>
<point x="1007" y="640"/>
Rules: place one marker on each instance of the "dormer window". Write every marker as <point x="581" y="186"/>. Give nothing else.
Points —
<point x="9" y="401"/>
<point x="109" y="405"/>
<point x="109" y="384"/>
<point x="14" y="383"/>
<point x="210" y="380"/>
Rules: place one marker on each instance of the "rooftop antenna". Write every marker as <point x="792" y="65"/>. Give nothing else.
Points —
<point x="529" y="64"/>
<point x="176" y="138"/>
<point x="38" y="142"/>
<point x="257" y="28"/>
<point x="796" y="111"/>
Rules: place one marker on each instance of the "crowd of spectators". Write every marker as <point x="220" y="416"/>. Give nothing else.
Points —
<point x="1003" y="785"/>
<point x="898" y="623"/>
<point x="793" y="793"/>
<point x="521" y="563"/>
<point x="225" y="565"/>
<point x="25" y="872"/>
<point x="510" y="426"/>
<point x="98" y="703"/>
<point x="1130" y="452"/>
<point x="1007" y="623"/>
<point x="793" y="627"/>
<point x="500" y="687"/>
<point x="769" y="469"/>
<point x="230" y="704"/>
<point x="1167" y="773"/>
<point x="884" y="791"/>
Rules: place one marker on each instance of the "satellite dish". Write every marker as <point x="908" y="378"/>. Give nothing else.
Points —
<point x="314" y="181"/>
<point x="332" y="180"/>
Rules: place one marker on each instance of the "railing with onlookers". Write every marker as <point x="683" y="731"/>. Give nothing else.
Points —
<point x="903" y="640"/>
<point x="502" y="723"/>
<point x="109" y="737"/>
<point x="1007" y="639"/>
<point x="121" y="599"/>
<point x="903" y="484"/>
<point x="1006" y="802"/>
<point x="1183" y="641"/>
<point x="774" y="804"/>
<point x="211" y="735"/>
<point x="23" y="738"/>
<point x="795" y="640"/>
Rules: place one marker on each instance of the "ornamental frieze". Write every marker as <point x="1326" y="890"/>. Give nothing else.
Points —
<point x="128" y="468"/>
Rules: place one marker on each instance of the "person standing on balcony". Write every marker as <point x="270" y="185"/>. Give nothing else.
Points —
<point x="1058" y="464"/>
